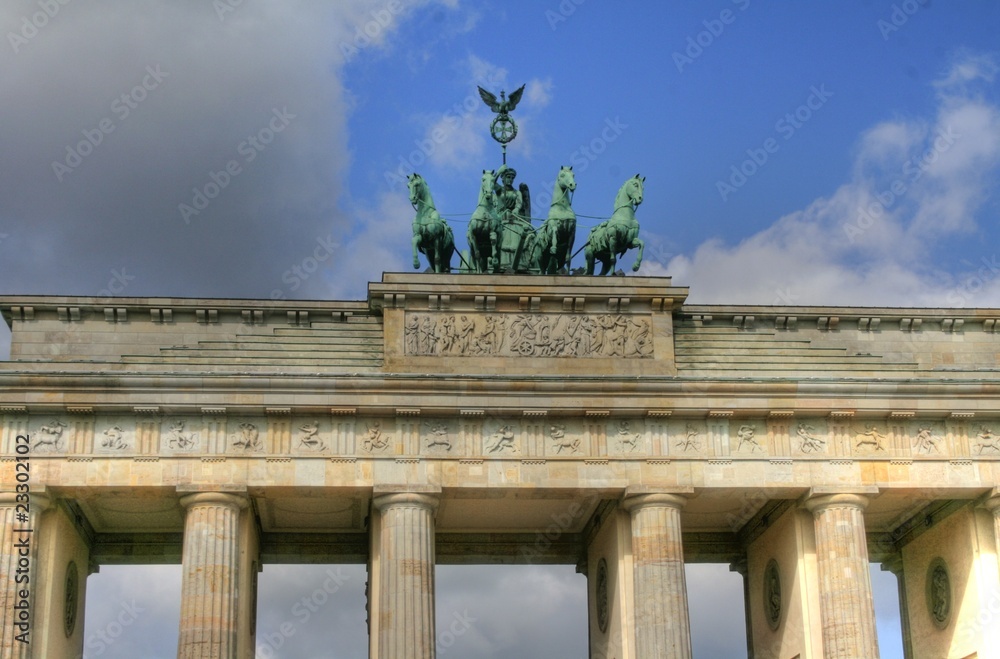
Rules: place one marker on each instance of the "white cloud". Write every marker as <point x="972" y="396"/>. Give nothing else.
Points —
<point x="968" y="68"/>
<point x="539" y="92"/>
<point x="873" y="240"/>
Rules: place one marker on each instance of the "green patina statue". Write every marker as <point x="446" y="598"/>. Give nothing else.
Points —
<point x="483" y="234"/>
<point x="501" y="236"/>
<point x="432" y="236"/>
<point x="554" y="241"/>
<point x="611" y="238"/>
<point x="517" y="236"/>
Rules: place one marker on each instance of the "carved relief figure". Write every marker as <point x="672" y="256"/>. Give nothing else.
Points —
<point x="114" y="439"/>
<point x="627" y="438"/>
<point x="926" y="442"/>
<point x="50" y="436"/>
<point x="772" y="594"/>
<point x="465" y="329"/>
<point x="439" y="436"/>
<point x="177" y="438"/>
<point x="746" y="435"/>
<point x="488" y="341"/>
<point x="870" y="437"/>
<point x="690" y="441"/>
<point x="557" y="433"/>
<point x="940" y="594"/>
<point x="990" y="440"/>
<point x="411" y="333"/>
<point x="375" y="440"/>
<point x="502" y="440"/>
<point x="248" y="438"/>
<point x="810" y="442"/>
<point x="309" y="437"/>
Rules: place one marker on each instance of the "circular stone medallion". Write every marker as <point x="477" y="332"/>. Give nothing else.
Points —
<point x="939" y="593"/>
<point x="772" y="594"/>
<point x="603" y="614"/>
<point x="72" y="595"/>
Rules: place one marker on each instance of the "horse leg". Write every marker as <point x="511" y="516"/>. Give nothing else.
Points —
<point x="564" y="262"/>
<point x="474" y="251"/>
<point x="416" y="247"/>
<point x="612" y="261"/>
<point x="638" y="261"/>
<point x="588" y="254"/>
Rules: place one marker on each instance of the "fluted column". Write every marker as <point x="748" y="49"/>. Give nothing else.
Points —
<point x="662" y="622"/>
<point x="210" y="574"/>
<point x="406" y="580"/>
<point x="847" y="610"/>
<point x="18" y="555"/>
<point x="895" y="565"/>
<point x="742" y="566"/>
<point x="993" y="505"/>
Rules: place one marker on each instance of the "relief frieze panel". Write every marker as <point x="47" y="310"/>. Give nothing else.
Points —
<point x="114" y="435"/>
<point x="528" y="335"/>
<point x="535" y="436"/>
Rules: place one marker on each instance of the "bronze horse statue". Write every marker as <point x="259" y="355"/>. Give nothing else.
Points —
<point x="554" y="241"/>
<point x="484" y="228"/>
<point x="431" y="234"/>
<point x="613" y="237"/>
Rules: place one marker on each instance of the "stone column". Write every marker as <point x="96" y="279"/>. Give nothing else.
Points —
<point x="406" y="576"/>
<point x="15" y="562"/>
<point x="662" y="622"/>
<point x="993" y="505"/>
<point x="742" y="566"/>
<point x="847" y="610"/>
<point x="895" y="565"/>
<point x="210" y="574"/>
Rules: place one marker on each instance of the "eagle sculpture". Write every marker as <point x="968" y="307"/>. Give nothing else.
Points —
<point x="503" y="106"/>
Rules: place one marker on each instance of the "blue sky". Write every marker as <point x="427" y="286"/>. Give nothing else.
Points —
<point x="867" y="132"/>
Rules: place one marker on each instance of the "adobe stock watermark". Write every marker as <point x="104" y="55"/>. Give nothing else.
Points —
<point x="269" y="643"/>
<point x="122" y="107"/>
<point x="457" y="626"/>
<point x="561" y="524"/>
<point x="786" y="127"/>
<point x="365" y="35"/>
<point x="97" y="643"/>
<point x="454" y="117"/>
<point x="31" y="25"/>
<point x="225" y="7"/>
<point x="296" y="275"/>
<point x="913" y="170"/>
<point x="584" y="155"/>
<point x="714" y="27"/>
<point x="899" y="16"/>
<point x="249" y="149"/>
<point x="117" y="284"/>
<point x="974" y="282"/>
<point x="565" y="9"/>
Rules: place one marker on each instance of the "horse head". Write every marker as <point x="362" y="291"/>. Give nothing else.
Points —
<point x="415" y="182"/>
<point x="566" y="179"/>
<point x="486" y="192"/>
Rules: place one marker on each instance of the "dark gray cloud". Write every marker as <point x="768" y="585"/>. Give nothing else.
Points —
<point x="115" y="113"/>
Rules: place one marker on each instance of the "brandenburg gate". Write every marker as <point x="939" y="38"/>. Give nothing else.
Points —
<point x="602" y="422"/>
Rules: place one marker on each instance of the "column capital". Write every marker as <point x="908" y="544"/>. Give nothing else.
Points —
<point x="426" y="500"/>
<point x="236" y="501"/>
<point x="741" y="565"/>
<point x="40" y="501"/>
<point x="992" y="503"/>
<point x="893" y="564"/>
<point x="637" y="498"/>
<point x="819" y="499"/>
